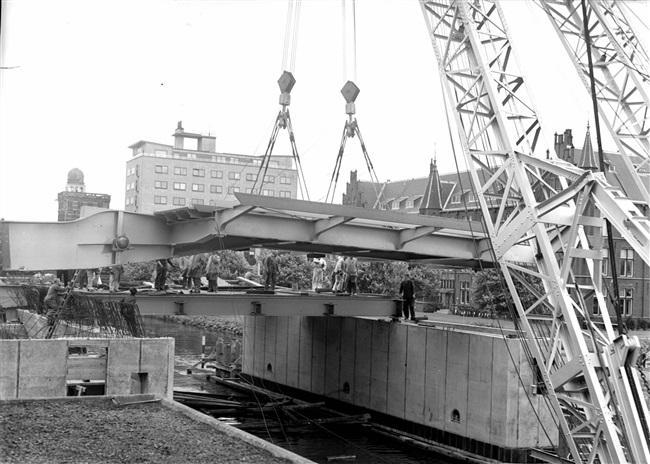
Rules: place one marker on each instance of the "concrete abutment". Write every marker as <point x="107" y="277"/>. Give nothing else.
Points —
<point x="455" y="388"/>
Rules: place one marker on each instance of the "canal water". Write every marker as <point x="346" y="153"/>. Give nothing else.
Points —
<point x="314" y="443"/>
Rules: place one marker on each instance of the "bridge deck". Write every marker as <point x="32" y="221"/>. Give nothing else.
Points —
<point x="255" y="221"/>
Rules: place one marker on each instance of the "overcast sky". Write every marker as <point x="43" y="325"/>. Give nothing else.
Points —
<point x="86" y="79"/>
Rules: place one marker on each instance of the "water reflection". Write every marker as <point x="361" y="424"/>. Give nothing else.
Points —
<point x="315" y="443"/>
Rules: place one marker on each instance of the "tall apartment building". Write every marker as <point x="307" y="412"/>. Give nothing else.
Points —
<point x="75" y="196"/>
<point x="451" y="195"/>
<point x="160" y="176"/>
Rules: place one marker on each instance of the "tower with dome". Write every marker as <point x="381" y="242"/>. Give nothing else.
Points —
<point x="74" y="197"/>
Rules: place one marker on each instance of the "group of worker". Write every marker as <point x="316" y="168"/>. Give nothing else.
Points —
<point x="345" y="275"/>
<point x="193" y="268"/>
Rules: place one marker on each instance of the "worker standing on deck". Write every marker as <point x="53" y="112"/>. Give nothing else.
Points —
<point x="212" y="272"/>
<point x="162" y="268"/>
<point x="351" y="272"/>
<point x="196" y="272"/>
<point x="317" y="276"/>
<point x="407" y="289"/>
<point x="271" y="269"/>
<point x="338" y="275"/>
<point x="116" y="274"/>
<point x="184" y="263"/>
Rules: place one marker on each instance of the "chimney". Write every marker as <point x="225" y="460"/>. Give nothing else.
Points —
<point x="179" y="139"/>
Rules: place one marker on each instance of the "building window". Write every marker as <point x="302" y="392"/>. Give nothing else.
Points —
<point x="216" y="189"/>
<point x="160" y="153"/>
<point x="596" y="306"/>
<point x="232" y="190"/>
<point x="269" y="179"/>
<point x="178" y="201"/>
<point x="285" y="194"/>
<point x="627" y="263"/>
<point x="180" y="186"/>
<point x="234" y="175"/>
<point x="198" y="187"/>
<point x="180" y="171"/>
<point x="409" y="203"/>
<point x="251" y="177"/>
<point x="216" y="174"/>
<point x="161" y="169"/>
<point x="395" y="205"/>
<point x="160" y="200"/>
<point x="605" y="266"/>
<point x="626" y="301"/>
<point x="455" y="199"/>
<point x="160" y="184"/>
<point x="198" y="172"/>
<point x="274" y="164"/>
<point x="612" y="168"/>
<point x="197" y="201"/>
<point x="285" y="180"/>
<point x="268" y="193"/>
<point x="464" y="292"/>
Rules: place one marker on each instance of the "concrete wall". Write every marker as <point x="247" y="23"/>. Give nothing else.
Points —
<point x="456" y="382"/>
<point x="44" y="368"/>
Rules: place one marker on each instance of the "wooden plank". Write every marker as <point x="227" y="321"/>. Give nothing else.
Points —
<point x="436" y="378"/>
<point x="86" y="367"/>
<point x="293" y="350"/>
<point x="479" y="404"/>
<point x="379" y="367"/>
<point x="333" y="357"/>
<point x="318" y="355"/>
<point x="362" y="363"/>
<point x="396" y="383"/>
<point x="415" y="373"/>
<point x="348" y="355"/>
<point x="456" y="393"/>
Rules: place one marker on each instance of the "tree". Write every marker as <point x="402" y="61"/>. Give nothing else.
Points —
<point x="385" y="277"/>
<point x="491" y="292"/>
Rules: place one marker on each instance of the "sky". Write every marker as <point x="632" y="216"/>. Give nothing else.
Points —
<point x="82" y="80"/>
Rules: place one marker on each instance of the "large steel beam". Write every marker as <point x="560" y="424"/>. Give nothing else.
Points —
<point x="291" y="225"/>
<point x="240" y="304"/>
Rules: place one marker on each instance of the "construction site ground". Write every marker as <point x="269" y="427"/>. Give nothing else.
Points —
<point x="102" y="432"/>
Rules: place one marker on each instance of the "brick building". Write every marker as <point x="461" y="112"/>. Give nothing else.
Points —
<point x="160" y="176"/>
<point x="451" y="195"/>
<point x="75" y="196"/>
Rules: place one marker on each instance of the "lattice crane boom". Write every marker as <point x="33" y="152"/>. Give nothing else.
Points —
<point x="622" y="74"/>
<point x="529" y="197"/>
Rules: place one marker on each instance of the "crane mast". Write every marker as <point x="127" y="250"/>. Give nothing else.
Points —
<point x="622" y="74"/>
<point x="528" y="196"/>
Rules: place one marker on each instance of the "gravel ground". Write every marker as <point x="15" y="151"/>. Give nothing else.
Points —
<point x="101" y="432"/>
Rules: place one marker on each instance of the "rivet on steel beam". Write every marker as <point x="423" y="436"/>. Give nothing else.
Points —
<point x="257" y="308"/>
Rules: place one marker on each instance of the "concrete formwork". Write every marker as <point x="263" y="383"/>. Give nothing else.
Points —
<point x="459" y="383"/>
<point x="45" y="368"/>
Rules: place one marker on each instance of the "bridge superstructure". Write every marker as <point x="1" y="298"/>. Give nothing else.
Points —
<point x="114" y="237"/>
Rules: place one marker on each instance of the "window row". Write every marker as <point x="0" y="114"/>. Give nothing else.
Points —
<point x="213" y="158"/>
<point x="214" y="174"/>
<point x="177" y="201"/>
<point x="627" y="301"/>
<point x="626" y="266"/>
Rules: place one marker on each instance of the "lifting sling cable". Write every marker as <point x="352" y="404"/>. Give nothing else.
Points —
<point x="283" y="119"/>
<point x="350" y="92"/>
